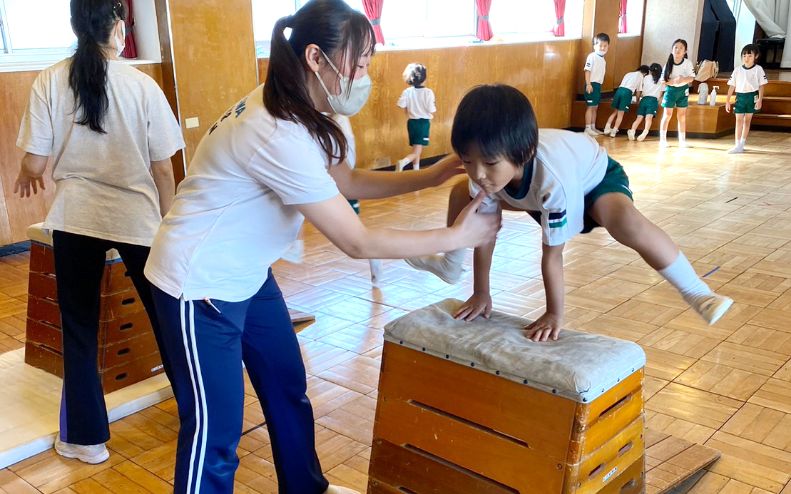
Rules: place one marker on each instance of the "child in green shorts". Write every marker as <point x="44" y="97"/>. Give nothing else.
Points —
<point x="595" y="67"/>
<point x="678" y="74"/>
<point x="565" y="181"/>
<point x="419" y="105"/>
<point x="649" y="102"/>
<point x="631" y="85"/>
<point x="748" y="82"/>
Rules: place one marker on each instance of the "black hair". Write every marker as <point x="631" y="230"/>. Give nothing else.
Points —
<point x="500" y="120"/>
<point x="670" y="61"/>
<point x="415" y="74"/>
<point x="643" y="69"/>
<point x="751" y="48"/>
<point x="93" y="22"/>
<point x="601" y="37"/>
<point x="656" y="72"/>
<point x="335" y="28"/>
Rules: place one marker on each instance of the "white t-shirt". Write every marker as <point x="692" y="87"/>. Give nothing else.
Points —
<point x="568" y="165"/>
<point x="633" y="81"/>
<point x="597" y="66"/>
<point x="651" y="88"/>
<point x="418" y="101"/>
<point x="236" y="211"/>
<point x="748" y="80"/>
<point x="103" y="182"/>
<point x="683" y="69"/>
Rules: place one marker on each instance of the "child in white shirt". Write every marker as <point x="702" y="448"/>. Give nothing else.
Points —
<point x="649" y="102"/>
<point x="419" y="105"/>
<point x="631" y="85"/>
<point x="748" y="82"/>
<point x="595" y="67"/>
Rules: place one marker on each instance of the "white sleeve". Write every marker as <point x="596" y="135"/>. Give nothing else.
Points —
<point x="35" y="131"/>
<point x="164" y="133"/>
<point x="689" y="70"/>
<point x="561" y="219"/>
<point x="433" y="102"/>
<point x="762" y="80"/>
<point x="295" y="169"/>
<point x="589" y="62"/>
<point x="402" y="101"/>
<point x="732" y="80"/>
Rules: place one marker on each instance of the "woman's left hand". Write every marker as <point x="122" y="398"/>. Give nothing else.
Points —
<point x="25" y="182"/>
<point x="445" y="169"/>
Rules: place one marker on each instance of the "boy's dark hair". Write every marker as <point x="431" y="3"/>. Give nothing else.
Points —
<point x="643" y="69"/>
<point x="601" y="37"/>
<point x="751" y="48"/>
<point x="656" y="72"/>
<point x="671" y="61"/>
<point x="500" y="120"/>
<point x="415" y="74"/>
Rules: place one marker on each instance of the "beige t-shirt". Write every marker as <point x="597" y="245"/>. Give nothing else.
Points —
<point x="104" y="186"/>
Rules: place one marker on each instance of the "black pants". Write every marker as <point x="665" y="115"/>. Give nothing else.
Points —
<point x="79" y="264"/>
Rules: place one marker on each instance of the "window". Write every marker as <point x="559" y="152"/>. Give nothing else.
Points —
<point x="428" y="19"/>
<point x="634" y="18"/>
<point x="37" y="26"/>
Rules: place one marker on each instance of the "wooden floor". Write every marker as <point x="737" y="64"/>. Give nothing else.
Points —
<point x="728" y="386"/>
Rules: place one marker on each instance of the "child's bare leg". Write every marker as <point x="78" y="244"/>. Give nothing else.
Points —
<point x="618" y="120"/>
<point x="448" y="266"/>
<point x="589" y="120"/>
<point x="682" y="126"/>
<point x="738" y="136"/>
<point x="628" y="226"/>
<point x="648" y="120"/>
<point x="608" y="126"/>
<point x="417" y="150"/>
<point x="748" y="118"/>
<point x="663" y="125"/>
<point x="636" y="124"/>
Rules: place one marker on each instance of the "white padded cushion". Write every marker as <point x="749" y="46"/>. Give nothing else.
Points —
<point x="579" y="366"/>
<point x="37" y="233"/>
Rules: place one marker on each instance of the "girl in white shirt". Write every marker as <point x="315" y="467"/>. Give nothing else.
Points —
<point x="649" y="102"/>
<point x="111" y="134"/>
<point x="748" y="82"/>
<point x="419" y="105"/>
<point x="678" y="74"/>
<point x="270" y="161"/>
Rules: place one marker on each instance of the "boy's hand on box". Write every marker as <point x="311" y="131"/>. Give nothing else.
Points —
<point x="545" y="328"/>
<point x="478" y="304"/>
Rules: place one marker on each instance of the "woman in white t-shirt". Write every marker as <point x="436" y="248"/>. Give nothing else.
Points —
<point x="270" y="161"/>
<point x="110" y="133"/>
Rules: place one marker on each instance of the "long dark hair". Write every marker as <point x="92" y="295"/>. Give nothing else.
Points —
<point x="656" y="72"/>
<point x="670" y="61"/>
<point x="333" y="26"/>
<point x="92" y="21"/>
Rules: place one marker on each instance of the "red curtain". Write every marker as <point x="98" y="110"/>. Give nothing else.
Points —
<point x="622" y="18"/>
<point x="560" y="24"/>
<point x="130" y="51"/>
<point x="484" y="31"/>
<point x="373" y="11"/>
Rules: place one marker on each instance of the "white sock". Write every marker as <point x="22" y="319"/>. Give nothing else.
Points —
<point x="682" y="275"/>
<point x="449" y="266"/>
<point x="588" y="126"/>
<point x="662" y="135"/>
<point x="743" y="142"/>
<point x="682" y="136"/>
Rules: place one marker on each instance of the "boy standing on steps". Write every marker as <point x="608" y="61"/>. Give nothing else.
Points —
<point x="595" y="67"/>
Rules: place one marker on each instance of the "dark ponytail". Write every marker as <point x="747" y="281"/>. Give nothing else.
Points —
<point x="92" y="21"/>
<point x="656" y="72"/>
<point x="334" y="27"/>
<point x="670" y="61"/>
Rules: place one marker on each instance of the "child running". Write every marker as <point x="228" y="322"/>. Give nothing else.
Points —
<point x="595" y="67"/>
<point x="678" y="74"/>
<point x="631" y="85"/>
<point x="748" y="82"/>
<point x="419" y="105"/>
<point x="568" y="184"/>
<point x="649" y="102"/>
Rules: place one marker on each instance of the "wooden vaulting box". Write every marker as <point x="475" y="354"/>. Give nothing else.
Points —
<point x="476" y="407"/>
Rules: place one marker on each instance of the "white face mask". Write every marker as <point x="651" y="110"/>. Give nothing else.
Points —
<point x="348" y="102"/>
<point x="120" y="41"/>
<point x="600" y="53"/>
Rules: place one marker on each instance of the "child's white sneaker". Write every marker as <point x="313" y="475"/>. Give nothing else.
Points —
<point x="607" y="129"/>
<point x="93" y="454"/>
<point x="402" y="163"/>
<point x="597" y="131"/>
<point x="642" y="136"/>
<point x="613" y="132"/>
<point x="683" y="144"/>
<point x="439" y="266"/>
<point x="663" y="143"/>
<point x="630" y="134"/>
<point x="376" y="271"/>
<point x="736" y="150"/>
<point x="711" y="307"/>
<point x="336" y="489"/>
<point x="589" y="131"/>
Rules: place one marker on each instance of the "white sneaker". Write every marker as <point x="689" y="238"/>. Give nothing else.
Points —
<point x="613" y="132"/>
<point x="439" y="266"/>
<point x="597" y="131"/>
<point x="642" y="136"/>
<point x="711" y="307"/>
<point x="607" y="129"/>
<point x="591" y="132"/>
<point x="336" y="489"/>
<point x="663" y="143"/>
<point x="376" y="271"/>
<point x="683" y="144"/>
<point x="93" y="454"/>
<point x="630" y="134"/>
<point x="402" y="163"/>
<point x="736" y="150"/>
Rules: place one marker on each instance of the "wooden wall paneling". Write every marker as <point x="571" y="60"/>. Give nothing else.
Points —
<point x="627" y="58"/>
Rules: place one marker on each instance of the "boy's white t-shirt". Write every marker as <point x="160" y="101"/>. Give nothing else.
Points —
<point x="418" y="101"/>
<point x="567" y="166"/>
<point x="748" y="80"/>
<point x="683" y="69"/>
<point x="651" y="88"/>
<point x="597" y="66"/>
<point x="236" y="211"/>
<point x="633" y="81"/>
<point x="103" y="182"/>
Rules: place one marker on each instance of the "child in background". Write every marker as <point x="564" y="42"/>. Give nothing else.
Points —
<point x="631" y="85"/>
<point x="595" y="67"/>
<point x="748" y="82"/>
<point x="565" y="181"/>
<point x="419" y="105"/>
<point x="649" y="102"/>
<point x="678" y="74"/>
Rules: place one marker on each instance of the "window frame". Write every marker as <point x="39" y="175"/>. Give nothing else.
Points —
<point x="25" y="58"/>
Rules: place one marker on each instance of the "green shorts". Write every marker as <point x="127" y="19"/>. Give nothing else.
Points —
<point x="593" y="98"/>
<point x="745" y="102"/>
<point x="615" y="180"/>
<point x="418" y="131"/>
<point x="355" y="204"/>
<point x="648" y="106"/>
<point x="622" y="99"/>
<point x="676" y="97"/>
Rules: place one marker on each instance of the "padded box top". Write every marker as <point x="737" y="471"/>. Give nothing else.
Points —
<point x="37" y="233"/>
<point x="579" y="366"/>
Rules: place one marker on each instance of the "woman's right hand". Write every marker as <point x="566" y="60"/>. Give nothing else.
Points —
<point x="476" y="229"/>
